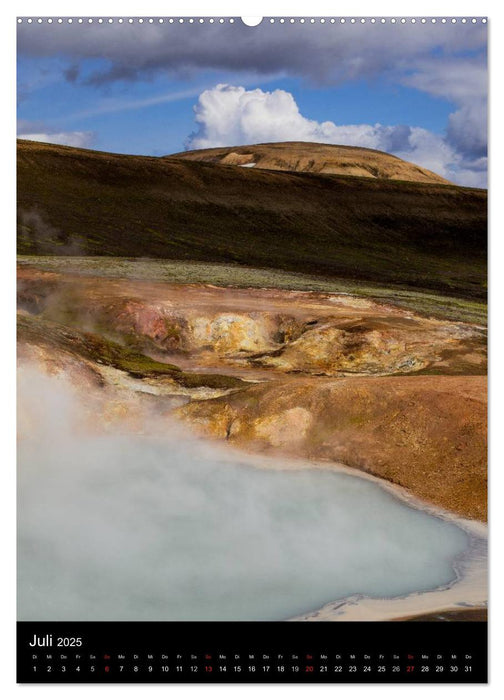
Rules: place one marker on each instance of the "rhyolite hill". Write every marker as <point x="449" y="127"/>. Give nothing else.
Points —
<point x="425" y="235"/>
<point x="328" y="159"/>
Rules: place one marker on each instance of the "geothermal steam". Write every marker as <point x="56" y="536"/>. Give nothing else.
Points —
<point x="141" y="527"/>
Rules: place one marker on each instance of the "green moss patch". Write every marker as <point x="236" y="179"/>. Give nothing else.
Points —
<point x="93" y="347"/>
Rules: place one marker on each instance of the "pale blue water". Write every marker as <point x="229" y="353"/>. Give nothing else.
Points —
<point x="132" y="528"/>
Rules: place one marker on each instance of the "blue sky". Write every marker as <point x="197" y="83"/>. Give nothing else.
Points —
<point x="151" y="129"/>
<point x="416" y="91"/>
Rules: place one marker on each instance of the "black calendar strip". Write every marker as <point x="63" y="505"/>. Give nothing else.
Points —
<point x="249" y="652"/>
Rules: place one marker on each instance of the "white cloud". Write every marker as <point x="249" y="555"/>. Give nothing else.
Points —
<point x="465" y="84"/>
<point x="445" y="62"/>
<point x="230" y="115"/>
<point x="79" y="139"/>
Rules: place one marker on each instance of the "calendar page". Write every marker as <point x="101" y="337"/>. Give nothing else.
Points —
<point x="252" y="333"/>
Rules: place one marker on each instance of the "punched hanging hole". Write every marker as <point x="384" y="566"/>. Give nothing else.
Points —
<point x="252" y="21"/>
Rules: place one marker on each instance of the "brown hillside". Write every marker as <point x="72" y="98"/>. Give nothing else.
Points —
<point x="299" y="156"/>
<point x="79" y="202"/>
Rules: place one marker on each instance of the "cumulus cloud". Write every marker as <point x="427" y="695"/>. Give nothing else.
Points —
<point x="79" y="139"/>
<point x="230" y="115"/>
<point x="445" y="61"/>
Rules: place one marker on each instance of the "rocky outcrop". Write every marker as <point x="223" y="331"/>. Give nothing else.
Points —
<point x="370" y="346"/>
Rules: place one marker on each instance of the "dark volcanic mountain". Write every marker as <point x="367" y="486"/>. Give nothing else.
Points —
<point x="426" y="235"/>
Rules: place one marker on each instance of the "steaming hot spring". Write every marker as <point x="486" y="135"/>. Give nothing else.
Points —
<point x="143" y="527"/>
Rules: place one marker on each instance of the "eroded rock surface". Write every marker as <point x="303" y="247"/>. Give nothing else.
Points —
<point x="95" y="361"/>
<point x="427" y="434"/>
<point x="312" y="375"/>
<point x="307" y="332"/>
